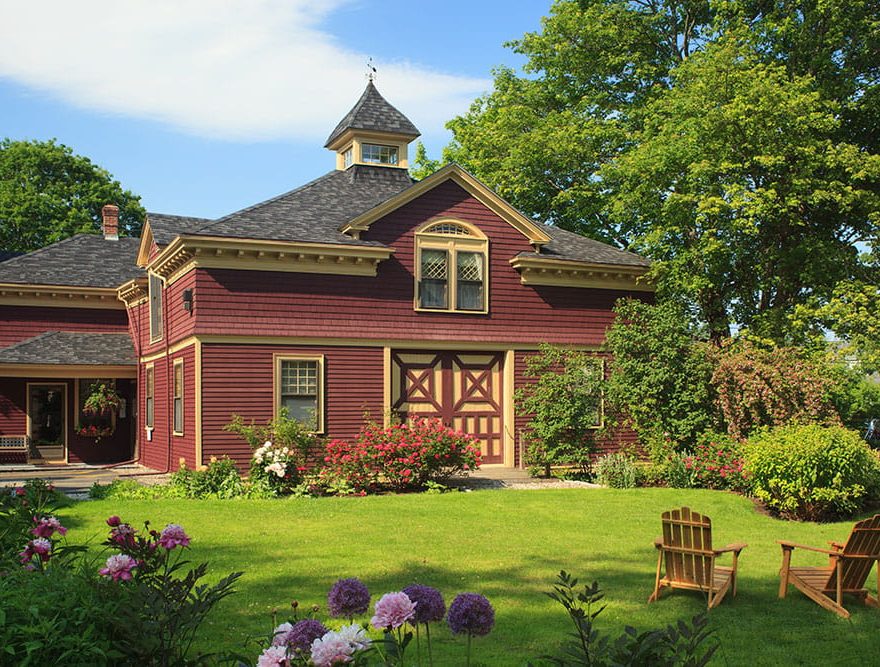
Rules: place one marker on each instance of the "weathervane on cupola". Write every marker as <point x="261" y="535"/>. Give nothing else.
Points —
<point x="373" y="133"/>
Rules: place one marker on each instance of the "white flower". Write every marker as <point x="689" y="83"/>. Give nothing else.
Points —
<point x="331" y="649"/>
<point x="354" y="634"/>
<point x="273" y="656"/>
<point x="267" y="444"/>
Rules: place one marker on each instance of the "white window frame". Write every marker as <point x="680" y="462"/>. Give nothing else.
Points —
<point x="150" y="396"/>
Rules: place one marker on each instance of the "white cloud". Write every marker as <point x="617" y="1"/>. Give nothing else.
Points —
<point x="234" y="69"/>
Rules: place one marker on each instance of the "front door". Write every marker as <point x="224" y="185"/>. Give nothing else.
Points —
<point x="463" y="389"/>
<point x="47" y="422"/>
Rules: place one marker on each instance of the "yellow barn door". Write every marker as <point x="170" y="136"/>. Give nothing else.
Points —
<point x="463" y="389"/>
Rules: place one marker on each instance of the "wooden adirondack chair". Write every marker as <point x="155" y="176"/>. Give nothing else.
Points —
<point x="686" y="549"/>
<point x="847" y="571"/>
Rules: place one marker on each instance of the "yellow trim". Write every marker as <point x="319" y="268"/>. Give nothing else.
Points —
<point x="178" y="363"/>
<point x="67" y="371"/>
<point x="149" y="383"/>
<point x="161" y="300"/>
<point x="177" y="347"/>
<point x="198" y="401"/>
<point x="146" y="244"/>
<point x="27" y="411"/>
<point x="452" y="172"/>
<point x="133" y="293"/>
<point x="386" y="386"/>
<point x="509" y="380"/>
<point x="564" y="273"/>
<point x="59" y="296"/>
<point x="186" y="253"/>
<point x="280" y="357"/>
<point x="404" y="343"/>
<point x="452" y="245"/>
<point x="355" y="138"/>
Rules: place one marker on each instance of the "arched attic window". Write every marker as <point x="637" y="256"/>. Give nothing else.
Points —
<point x="451" y="267"/>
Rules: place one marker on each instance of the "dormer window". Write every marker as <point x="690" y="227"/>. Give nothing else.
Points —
<point x="348" y="157"/>
<point x="451" y="261"/>
<point x="378" y="154"/>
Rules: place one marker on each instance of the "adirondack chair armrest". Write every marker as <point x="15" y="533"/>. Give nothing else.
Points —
<point x="837" y="545"/>
<point x="788" y="546"/>
<point x="736" y="547"/>
<point x="658" y="543"/>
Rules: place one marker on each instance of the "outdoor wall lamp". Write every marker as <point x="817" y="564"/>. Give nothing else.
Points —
<point x="188" y="300"/>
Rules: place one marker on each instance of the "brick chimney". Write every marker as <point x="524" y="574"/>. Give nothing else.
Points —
<point x="110" y="213"/>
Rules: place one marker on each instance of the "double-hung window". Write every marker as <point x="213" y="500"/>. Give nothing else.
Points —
<point x="178" y="397"/>
<point x="451" y="261"/>
<point x="149" y="396"/>
<point x="299" y="383"/>
<point x="155" y="289"/>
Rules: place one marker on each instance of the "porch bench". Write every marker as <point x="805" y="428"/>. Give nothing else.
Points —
<point x="14" y="448"/>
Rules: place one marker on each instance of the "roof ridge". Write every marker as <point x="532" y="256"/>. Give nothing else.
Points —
<point x="265" y="202"/>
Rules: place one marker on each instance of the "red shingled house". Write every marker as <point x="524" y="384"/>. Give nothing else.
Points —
<point x="360" y="292"/>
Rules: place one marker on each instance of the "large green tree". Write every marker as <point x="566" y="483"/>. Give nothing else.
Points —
<point x="48" y="193"/>
<point x="733" y="140"/>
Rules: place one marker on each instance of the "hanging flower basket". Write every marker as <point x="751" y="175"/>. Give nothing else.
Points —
<point x="102" y="399"/>
<point x="94" y="431"/>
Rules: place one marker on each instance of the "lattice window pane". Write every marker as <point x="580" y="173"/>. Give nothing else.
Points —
<point x="448" y="228"/>
<point x="434" y="265"/>
<point x="299" y="378"/>
<point x="470" y="266"/>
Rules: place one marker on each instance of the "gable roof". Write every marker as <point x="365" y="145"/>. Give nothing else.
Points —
<point x="84" y="260"/>
<point x="568" y="246"/>
<point x="66" y="348"/>
<point x="374" y="113"/>
<point x="314" y="212"/>
<point x="165" y="227"/>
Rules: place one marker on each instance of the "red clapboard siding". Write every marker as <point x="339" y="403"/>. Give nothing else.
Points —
<point x="13" y="418"/>
<point x="238" y="379"/>
<point x="183" y="447"/>
<point x="18" y="323"/>
<point x="312" y="305"/>
<point x="155" y="453"/>
<point x="613" y="441"/>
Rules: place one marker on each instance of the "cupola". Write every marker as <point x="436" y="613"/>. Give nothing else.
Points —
<point x="372" y="133"/>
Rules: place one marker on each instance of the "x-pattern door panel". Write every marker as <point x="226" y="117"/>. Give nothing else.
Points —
<point x="462" y="389"/>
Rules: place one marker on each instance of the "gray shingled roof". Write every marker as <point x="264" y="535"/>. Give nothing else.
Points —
<point x="373" y="113"/>
<point x="565" y="245"/>
<point x="314" y="212"/>
<point x="166" y="227"/>
<point x="9" y="254"/>
<point x="65" y="348"/>
<point x="84" y="260"/>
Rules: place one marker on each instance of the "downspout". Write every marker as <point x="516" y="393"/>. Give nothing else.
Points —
<point x="169" y="381"/>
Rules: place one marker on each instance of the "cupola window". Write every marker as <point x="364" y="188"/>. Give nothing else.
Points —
<point x="378" y="154"/>
<point x="451" y="268"/>
<point x="348" y="157"/>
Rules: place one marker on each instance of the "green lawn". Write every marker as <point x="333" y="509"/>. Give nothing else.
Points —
<point x="508" y="545"/>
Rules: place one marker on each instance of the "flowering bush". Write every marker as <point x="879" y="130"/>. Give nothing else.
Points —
<point x="403" y="456"/>
<point x="717" y="463"/>
<point x="276" y="467"/>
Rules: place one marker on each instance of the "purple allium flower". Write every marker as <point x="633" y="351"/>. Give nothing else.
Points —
<point x="173" y="535"/>
<point x="274" y="656"/>
<point x="348" y="598"/>
<point x="429" y="603"/>
<point x="393" y="610"/>
<point x="48" y="526"/>
<point x="303" y="633"/>
<point x="331" y="649"/>
<point x="470" y="613"/>
<point x="119" y="567"/>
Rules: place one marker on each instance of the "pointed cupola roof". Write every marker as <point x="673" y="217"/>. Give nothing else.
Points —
<point x="373" y="113"/>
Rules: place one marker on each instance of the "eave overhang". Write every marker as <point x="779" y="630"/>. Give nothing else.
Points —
<point x="569" y="273"/>
<point x="370" y="135"/>
<point x="188" y="252"/>
<point x="451" y="172"/>
<point x="133" y="293"/>
<point x="64" y="371"/>
<point x="59" y="296"/>
<point x="143" y="256"/>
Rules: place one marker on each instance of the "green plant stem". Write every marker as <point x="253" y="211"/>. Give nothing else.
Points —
<point x="428" y="638"/>
<point x="470" y="637"/>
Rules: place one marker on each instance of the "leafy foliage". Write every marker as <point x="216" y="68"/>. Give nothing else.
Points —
<point x="717" y="463"/>
<point x="47" y="193"/>
<point x="811" y="472"/>
<point x="617" y="470"/>
<point x="18" y="508"/>
<point x="680" y="644"/>
<point x="281" y="431"/>
<point x="660" y="375"/>
<point x="564" y="404"/>
<point x="770" y="387"/>
<point x="219" y="479"/>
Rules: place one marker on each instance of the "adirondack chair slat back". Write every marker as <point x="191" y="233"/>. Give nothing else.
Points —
<point x="863" y="541"/>
<point x="687" y="537"/>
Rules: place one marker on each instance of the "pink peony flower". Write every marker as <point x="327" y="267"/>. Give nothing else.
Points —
<point x="274" y="656"/>
<point x="47" y="526"/>
<point x="173" y="535"/>
<point x="392" y="610"/>
<point x="331" y="649"/>
<point x="113" y="521"/>
<point x="118" y="567"/>
<point x="123" y="535"/>
<point x="39" y="546"/>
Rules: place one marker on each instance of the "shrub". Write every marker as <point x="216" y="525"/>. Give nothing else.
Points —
<point x="276" y="468"/>
<point x="811" y="472"/>
<point x="617" y="470"/>
<point x="282" y="431"/>
<point x="565" y="406"/>
<point x="402" y="456"/>
<point x="219" y="479"/>
<point x="770" y="387"/>
<point x="717" y="463"/>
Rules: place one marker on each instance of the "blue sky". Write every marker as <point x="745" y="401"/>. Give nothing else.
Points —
<point x="206" y="106"/>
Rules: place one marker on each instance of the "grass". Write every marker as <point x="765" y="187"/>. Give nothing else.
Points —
<point x="509" y="546"/>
